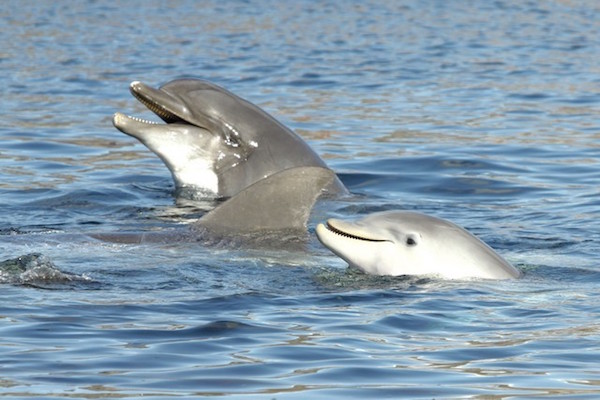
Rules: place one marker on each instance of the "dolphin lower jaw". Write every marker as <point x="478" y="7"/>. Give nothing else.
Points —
<point x="141" y="120"/>
<point x="131" y="125"/>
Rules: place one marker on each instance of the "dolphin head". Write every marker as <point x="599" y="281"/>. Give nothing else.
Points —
<point x="238" y="142"/>
<point x="196" y="102"/>
<point x="409" y="243"/>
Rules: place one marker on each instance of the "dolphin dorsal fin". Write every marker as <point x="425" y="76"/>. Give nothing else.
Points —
<point x="282" y="201"/>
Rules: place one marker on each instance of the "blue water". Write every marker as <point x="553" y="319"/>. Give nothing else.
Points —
<point x="484" y="113"/>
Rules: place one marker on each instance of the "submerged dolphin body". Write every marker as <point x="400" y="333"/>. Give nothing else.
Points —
<point x="213" y="141"/>
<point x="409" y="243"/>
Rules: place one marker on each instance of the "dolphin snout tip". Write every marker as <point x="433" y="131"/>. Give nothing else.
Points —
<point x="320" y="231"/>
<point x="118" y="120"/>
<point x="135" y="87"/>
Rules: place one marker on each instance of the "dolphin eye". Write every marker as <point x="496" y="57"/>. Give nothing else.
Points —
<point x="410" y="241"/>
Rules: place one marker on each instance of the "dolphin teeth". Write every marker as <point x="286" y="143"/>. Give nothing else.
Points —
<point x="144" y="121"/>
<point x="349" y="235"/>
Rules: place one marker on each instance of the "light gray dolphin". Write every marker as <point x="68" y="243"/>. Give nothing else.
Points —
<point x="410" y="243"/>
<point x="213" y="141"/>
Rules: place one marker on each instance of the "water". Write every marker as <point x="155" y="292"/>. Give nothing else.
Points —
<point x="484" y="113"/>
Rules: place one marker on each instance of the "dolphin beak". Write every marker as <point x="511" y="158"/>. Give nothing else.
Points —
<point x="348" y="230"/>
<point x="169" y="108"/>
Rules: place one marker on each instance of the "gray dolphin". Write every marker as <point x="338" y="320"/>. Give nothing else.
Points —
<point x="213" y="141"/>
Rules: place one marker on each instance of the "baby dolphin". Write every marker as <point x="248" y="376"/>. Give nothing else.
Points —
<point x="410" y="243"/>
<point x="214" y="142"/>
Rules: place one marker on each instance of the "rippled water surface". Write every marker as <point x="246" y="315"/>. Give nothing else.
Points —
<point x="484" y="113"/>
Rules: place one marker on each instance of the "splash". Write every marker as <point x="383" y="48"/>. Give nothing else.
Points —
<point x="36" y="270"/>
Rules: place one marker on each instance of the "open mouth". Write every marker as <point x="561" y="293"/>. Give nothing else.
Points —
<point x="339" y="232"/>
<point x="122" y="116"/>
<point x="140" y="92"/>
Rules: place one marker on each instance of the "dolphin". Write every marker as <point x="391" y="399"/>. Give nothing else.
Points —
<point x="214" y="142"/>
<point x="410" y="243"/>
